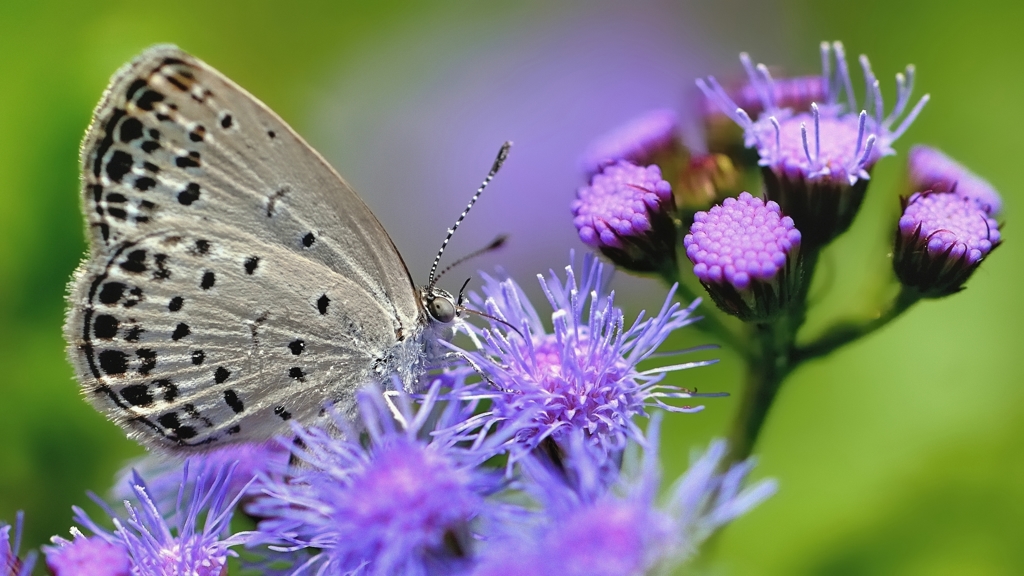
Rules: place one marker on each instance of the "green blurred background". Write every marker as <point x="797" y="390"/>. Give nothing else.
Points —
<point x="902" y="454"/>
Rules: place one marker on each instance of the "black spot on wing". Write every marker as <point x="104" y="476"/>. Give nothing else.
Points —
<point x="147" y="360"/>
<point x="221" y="374"/>
<point x="232" y="400"/>
<point x="250" y="264"/>
<point x="113" y="362"/>
<point x="131" y="129"/>
<point x="189" y="195"/>
<point x="137" y="395"/>
<point x="197" y="357"/>
<point x="105" y="326"/>
<point x="308" y="240"/>
<point x="144" y="183"/>
<point x="175" y="304"/>
<point x="135" y="262"/>
<point x="133" y="333"/>
<point x="297" y="346"/>
<point x="226" y="121"/>
<point x="284" y="414"/>
<point x="208" y="281"/>
<point x="321" y="304"/>
<point x="190" y="161"/>
<point x="297" y="374"/>
<point x="111" y="292"/>
<point x="170" y="391"/>
<point x="180" y="331"/>
<point x="120" y="163"/>
<point x="148" y="98"/>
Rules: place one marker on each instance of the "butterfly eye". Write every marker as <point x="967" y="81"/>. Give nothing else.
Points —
<point x="441" y="308"/>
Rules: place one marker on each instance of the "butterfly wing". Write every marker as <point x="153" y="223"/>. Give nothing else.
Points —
<point x="234" y="280"/>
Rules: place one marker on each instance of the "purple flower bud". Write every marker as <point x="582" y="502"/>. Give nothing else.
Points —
<point x="932" y="170"/>
<point x="746" y="254"/>
<point x="627" y="213"/>
<point x="942" y="238"/>
<point x="88" y="555"/>
<point x="816" y="163"/>
<point x="705" y="179"/>
<point x="643" y="140"/>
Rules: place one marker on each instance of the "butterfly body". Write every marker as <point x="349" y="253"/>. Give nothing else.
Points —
<point x="234" y="281"/>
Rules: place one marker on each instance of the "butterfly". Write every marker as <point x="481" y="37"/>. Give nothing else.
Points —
<point x="234" y="281"/>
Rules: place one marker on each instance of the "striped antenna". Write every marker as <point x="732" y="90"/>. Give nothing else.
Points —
<point x="502" y="155"/>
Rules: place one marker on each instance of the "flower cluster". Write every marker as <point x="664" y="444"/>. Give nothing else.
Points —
<point x="815" y="147"/>
<point x="808" y="146"/>
<point x="526" y="459"/>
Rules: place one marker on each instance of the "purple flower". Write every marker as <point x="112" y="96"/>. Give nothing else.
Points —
<point x="942" y="238"/>
<point x="619" y="528"/>
<point x="627" y="213"/>
<point x="932" y="170"/>
<point x="10" y="563"/>
<point x="816" y="163"/>
<point x="401" y="503"/>
<point x="746" y="254"/>
<point x="163" y="474"/>
<point x="726" y="137"/>
<point x="583" y="375"/>
<point x="88" y="555"/>
<point x="643" y="140"/>
<point x="155" y="547"/>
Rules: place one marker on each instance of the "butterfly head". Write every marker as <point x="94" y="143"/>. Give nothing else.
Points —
<point x="441" y="305"/>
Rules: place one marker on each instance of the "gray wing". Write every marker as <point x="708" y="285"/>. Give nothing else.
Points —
<point x="234" y="280"/>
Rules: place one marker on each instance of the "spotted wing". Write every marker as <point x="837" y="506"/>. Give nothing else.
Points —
<point x="234" y="280"/>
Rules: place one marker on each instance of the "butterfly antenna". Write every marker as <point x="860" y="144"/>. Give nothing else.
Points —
<point x="502" y="155"/>
<point x="461" y="308"/>
<point x="494" y="245"/>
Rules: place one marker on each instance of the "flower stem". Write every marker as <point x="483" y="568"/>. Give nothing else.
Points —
<point x="845" y="333"/>
<point x="765" y="373"/>
<point x="767" y="367"/>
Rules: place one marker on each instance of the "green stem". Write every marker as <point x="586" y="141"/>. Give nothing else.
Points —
<point x="765" y="374"/>
<point x="767" y="367"/>
<point x="845" y="333"/>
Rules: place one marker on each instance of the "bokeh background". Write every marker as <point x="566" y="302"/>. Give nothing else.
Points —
<point x="901" y="454"/>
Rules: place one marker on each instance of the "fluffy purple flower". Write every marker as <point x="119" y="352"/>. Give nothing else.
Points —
<point x="726" y="137"/>
<point x="10" y="563"/>
<point x="88" y="555"/>
<point x="583" y="375"/>
<point x="618" y="529"/>
<point x="816" y="163"/>
<point x="163" y="474"/>
<point x="401" y="503"/>
<point x="942" y="238"/>
<point x="627" y="213"/>
<point x="154" y="546"/>
<point x="643" y="140"/>
<point x="746" y="254"/>
<point x="930" y="169"/>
